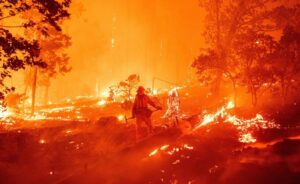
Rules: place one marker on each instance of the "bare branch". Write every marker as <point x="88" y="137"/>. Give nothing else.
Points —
<point x="19" y="26"/>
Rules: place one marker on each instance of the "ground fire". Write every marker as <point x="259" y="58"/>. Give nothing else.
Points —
<point x="179" y="92"/>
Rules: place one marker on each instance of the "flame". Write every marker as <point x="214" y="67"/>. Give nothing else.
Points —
<point x="244" y="126"/>
<point x="170" y="150"/>
<point x="154" y="152"/>
<point x="5" y="113"/>
<point x="164" y="147"/>
<point x="68" y="131"/>
<point x="188" y="147"/>
<point x="105" y="93"/>
<point x="6" y="118"/>
<point x="247" y="138"/>
<point x="121" y="117"/>
<point x="102" y="103"/>
<point x="42" y="141"/>
<point x="230" y="105"/>
<point x="210" y="118"/>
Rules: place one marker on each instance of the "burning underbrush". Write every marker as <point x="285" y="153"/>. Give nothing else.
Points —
<point x="94" y="143"/>
<point x="246" y="127"/>
<point x="59" y="151"/>
<point x="105" y="151"/>
<point x="216" y="156"/>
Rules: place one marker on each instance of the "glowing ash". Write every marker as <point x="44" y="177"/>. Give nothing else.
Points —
<point x="170" y="150"/>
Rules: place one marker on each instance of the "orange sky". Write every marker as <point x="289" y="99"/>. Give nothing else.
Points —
<point x="115" y="38"/>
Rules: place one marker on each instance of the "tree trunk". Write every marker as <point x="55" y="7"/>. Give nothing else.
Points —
<point x="217" y="84"/>
<point x="33" y="90"/>
<point x="253" y="95"/>
<point x="216" y="89"/>
<point x="283" y="92"/>
<point x="153" y="81"/>
<point x="129" y="94"/>
<point x="26" y="88"/>
<point x="287" y="92"/>
<point x="234" y="93"/>
<point x="46" y="97"/>
<point x="255" y="99"/>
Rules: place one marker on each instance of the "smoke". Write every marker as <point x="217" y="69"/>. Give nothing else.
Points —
<point x="113" y="39"/>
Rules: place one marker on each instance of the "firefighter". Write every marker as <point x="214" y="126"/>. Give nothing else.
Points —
<point x="141" y="112"/>
<point x="173" y="111"/>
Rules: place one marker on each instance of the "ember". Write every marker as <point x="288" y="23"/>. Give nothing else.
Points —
<point x="170" y="149"/>
<point x="42" y="141"/>
<point x="153" y="153"/>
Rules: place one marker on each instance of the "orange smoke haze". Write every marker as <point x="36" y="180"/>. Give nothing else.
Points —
<point x="113" y="39"/>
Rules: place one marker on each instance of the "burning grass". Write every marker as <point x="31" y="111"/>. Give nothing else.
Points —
<point x="214" y="147"/>
<point x="245" y="126"/>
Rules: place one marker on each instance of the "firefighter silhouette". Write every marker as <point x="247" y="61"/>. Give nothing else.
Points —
<point x="142" y="113"/>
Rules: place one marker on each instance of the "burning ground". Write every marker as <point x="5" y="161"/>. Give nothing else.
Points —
<point x="89" y="142"/>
